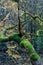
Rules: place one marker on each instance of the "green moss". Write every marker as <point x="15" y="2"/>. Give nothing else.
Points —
<point x="29" y="46"/>
<point x="23" y="42"/>
<point x="35" y="56"/>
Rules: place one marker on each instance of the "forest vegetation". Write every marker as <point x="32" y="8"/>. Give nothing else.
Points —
<point x="21" y="31"/>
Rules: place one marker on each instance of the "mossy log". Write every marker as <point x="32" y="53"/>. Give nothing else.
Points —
<point x="35" y="58"/>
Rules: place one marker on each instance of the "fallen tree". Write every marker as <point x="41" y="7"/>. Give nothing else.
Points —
<point x="34" y="57"/>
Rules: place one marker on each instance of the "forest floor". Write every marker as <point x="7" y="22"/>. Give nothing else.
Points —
<point x="15" y="55"/>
